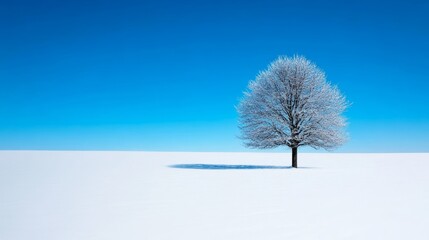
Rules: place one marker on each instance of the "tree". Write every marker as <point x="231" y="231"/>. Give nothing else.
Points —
<point x="291" y="104"/>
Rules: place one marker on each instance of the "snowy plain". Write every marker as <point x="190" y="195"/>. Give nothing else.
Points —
<point x="159" y="195"/>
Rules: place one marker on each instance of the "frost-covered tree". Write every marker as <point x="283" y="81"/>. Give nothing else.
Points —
<point x="291" y="104"/>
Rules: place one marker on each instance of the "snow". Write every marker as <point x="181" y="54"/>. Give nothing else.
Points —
<point x="155" y="195"/>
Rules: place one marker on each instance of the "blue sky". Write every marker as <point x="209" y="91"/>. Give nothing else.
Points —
<point x="167" y="75"/>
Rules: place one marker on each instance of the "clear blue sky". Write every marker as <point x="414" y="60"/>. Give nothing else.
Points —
<point x="166" y="75"/>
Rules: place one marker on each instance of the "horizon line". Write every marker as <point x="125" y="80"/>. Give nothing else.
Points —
<point x="145" y="151"/>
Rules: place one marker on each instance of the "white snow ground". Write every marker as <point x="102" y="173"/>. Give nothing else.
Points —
<point x="136" y="195"/>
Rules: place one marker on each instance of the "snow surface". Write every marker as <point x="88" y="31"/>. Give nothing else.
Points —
<point x="149" y="195"/>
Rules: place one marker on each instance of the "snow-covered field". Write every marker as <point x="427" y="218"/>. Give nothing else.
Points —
<point x="148" y="196"/>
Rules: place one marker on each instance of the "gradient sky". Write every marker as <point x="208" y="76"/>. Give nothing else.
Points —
<point x="167" y="75"/>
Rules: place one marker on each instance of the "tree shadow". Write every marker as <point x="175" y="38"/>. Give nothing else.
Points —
<point x="226" y="166"/>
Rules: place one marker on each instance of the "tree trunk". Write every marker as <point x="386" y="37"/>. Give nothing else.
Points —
<point x="295" y="157"/>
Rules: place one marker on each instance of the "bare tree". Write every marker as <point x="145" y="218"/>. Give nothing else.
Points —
<point x="291" y="104"/>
